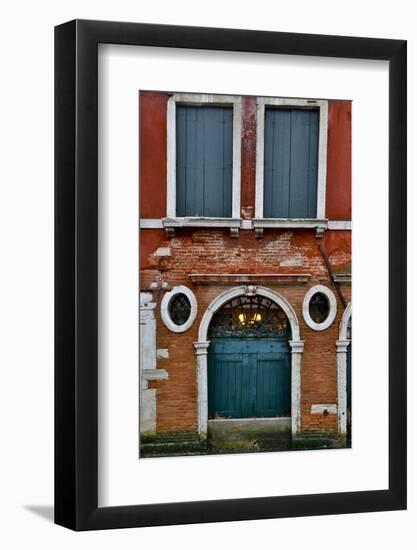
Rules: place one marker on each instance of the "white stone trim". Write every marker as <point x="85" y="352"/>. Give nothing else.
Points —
<point x="290" y="222"/>
<point x="259" y="168"/>
<point x="334" y="225"/>
<point x="342" y="277"/>
<point x="201" y="346"/>
<point x="200" y="222"/>
<point x="147" y="324"/>
<point x="332" y="303"/>
<point x="322" y="167"/>
<point x="147" y="362"/>
<point x="344" y="322"/>
<point x="323" y="107"/>
<point x="162" y="353"/>
<point x="341" y="361"/>
<point x="330" y="408"/>
<point x="229" y="294"/>
<point x="297" y="348"/>
<point x="338" y="225"/>
<point x="154" y="374"/>
<point x="171" y="158"/>
<point x="150" y="223"/>
<point x="168" y="322"/>
<point x="202" y="386"/>
<point x="147" y="365"/>
<point x="232" y="100"/>
<point x="246" y="224"/>
<point x="163" y="252"/>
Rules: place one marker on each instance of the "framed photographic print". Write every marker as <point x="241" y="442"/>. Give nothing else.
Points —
<point x="223" y="198"/>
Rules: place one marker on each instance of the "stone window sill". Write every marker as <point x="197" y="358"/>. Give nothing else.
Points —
<point x="201" y="222"/>
<point x="290" y="222"/>
<point x="260" y="224"/>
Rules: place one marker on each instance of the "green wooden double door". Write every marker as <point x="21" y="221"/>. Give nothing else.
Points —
<point x="249" y="378"/>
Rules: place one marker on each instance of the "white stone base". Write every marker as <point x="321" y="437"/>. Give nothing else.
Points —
<point x="148" y="412"/>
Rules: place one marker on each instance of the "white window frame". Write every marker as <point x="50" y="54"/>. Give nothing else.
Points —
<point x="172" y="220"/>
<point x="332" y="307"/>
<point x="166" y="317"/>
<point x="323" y="107"/>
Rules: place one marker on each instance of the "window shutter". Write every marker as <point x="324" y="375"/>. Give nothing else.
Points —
<point x="290" y="163"/>
<point x="204" y="160"/>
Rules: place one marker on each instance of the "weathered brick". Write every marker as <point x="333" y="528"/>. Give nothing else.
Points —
<point x="177" y="397"/>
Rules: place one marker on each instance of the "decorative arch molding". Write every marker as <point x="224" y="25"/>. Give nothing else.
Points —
<point x="202" y="345"/>
<point x="342" y="345"/>
<point x="344" y="322"/>
<point x="224" y="297"/>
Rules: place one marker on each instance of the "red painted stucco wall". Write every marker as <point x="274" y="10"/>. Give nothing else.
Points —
<point x="339" y="162"/>
<point x="152" y="154"/>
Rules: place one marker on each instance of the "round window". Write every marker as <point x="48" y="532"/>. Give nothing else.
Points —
<point x="179" y="309"/>
<point x="319" y="307"/>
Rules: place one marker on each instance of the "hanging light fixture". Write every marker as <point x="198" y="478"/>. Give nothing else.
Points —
<point x="249" y="319"/>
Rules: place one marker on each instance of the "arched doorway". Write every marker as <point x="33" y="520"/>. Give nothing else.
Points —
<point x="249" y="360"/>
<point x="202" y="346"/>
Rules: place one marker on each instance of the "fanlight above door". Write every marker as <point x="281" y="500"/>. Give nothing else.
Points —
<point x="250" y="316"/>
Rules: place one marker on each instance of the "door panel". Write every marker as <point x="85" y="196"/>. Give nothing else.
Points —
<point x="230" y="384"/>
<point x="273" y="386"/>
<point x="249" y="378"/>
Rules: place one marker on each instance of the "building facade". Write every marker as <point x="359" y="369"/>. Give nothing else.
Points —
<point x="245" y="273"/>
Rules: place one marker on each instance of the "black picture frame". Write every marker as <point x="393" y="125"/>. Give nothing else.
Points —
<point x="76" y="272"/>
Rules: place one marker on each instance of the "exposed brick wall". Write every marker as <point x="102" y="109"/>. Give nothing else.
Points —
<point x="216" y="252"/>
<point x="318" y="379"/>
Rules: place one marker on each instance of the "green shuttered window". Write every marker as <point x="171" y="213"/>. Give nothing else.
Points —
<point x="204" y="159"/>
<point x="290" y="163"/>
